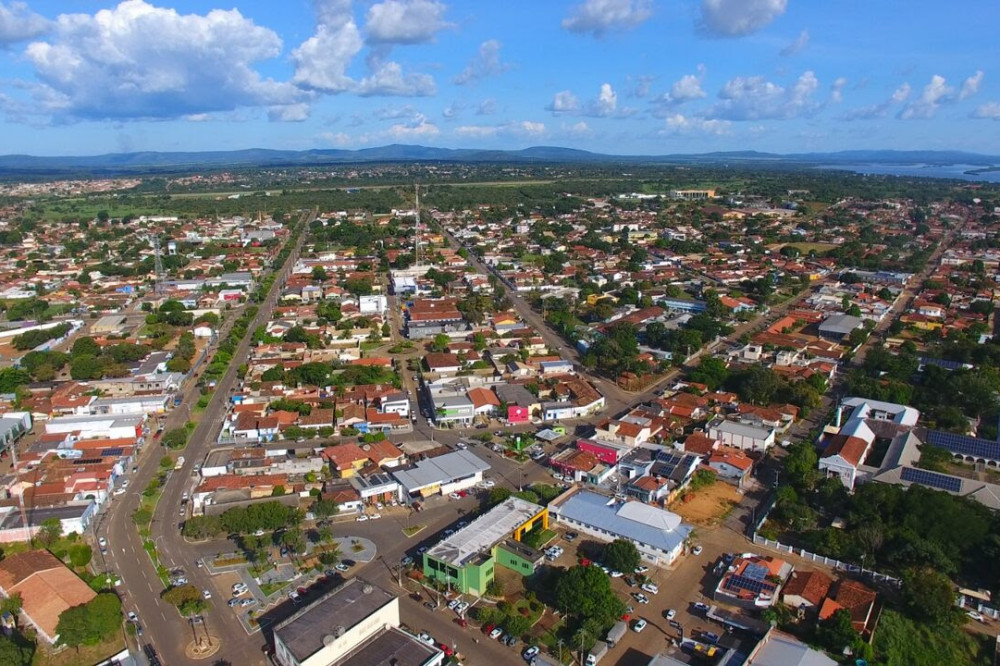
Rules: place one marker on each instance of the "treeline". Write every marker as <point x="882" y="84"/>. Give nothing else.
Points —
<point x="32" y="339"/>
<point x="266" y="516"/>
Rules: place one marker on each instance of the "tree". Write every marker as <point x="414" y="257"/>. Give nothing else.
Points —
<point x="440" y="343"/>
<point x="319" y="274"/>
<point x="586" y="593"/>
<point x="90" y="623"/>
<point x="928" y="595"/>
<point x="497" y="495"/>
<point x="324" y="508"/>
<point x="621" y="555"/>
<point x="187" y="598"/>
<point x="50" y="531"/>
<point x="175" y="438"/>
<point x="84" y="346"/>
<point x="16" y="650"/>
<point x="801" y="466"/>
<point x="836" y="632"/>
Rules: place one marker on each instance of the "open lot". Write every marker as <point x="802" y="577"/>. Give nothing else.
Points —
<point x="708" y="505"/>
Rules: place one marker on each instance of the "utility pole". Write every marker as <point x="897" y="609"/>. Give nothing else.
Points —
<point x="416" y="229"/>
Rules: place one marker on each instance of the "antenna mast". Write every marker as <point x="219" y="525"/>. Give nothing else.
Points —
<point x="158" y="264"/>
<point x="416" y="235"/>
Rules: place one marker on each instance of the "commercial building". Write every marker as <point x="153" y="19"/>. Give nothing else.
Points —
<point x="741" y="436"/>
<point x="658" y="535"/>
<point x="46" y="586"/>
<point x="445" y="474"/>
<point x="355" y="624"/>
<point x="465" y="560"/>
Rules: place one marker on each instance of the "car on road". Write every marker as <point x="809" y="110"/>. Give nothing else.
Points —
<point x="294" y="596"/>
<point x="119" y="491"/>
<point x="650" y="587"/>
<point x="697" y="550"/>
<point x="375" y="516"/>
<point x="206" y="594"/>
<point x="978" y="617"/>
<point x="530" y="653"/>
<point x="103" y="544"/>
<point x="496" y="632"/>
<point x="132" y="617"/>
<point x="362" y="518"/>
<point x="639" y="625"/>
<point x="342" y="567"/>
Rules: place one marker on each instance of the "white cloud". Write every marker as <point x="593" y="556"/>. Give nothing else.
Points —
<point x="418" y="128"/>
<point x="935" y="93"/>
<point x="578" y="129"/>
<point x="289" y="113"/>
<point x="989" y="110"/>
<point x="685" y="89"/>
<point x="321" y="61"/>
<point x="598" y="17"/>
<point x="477" y="131"/>
<point x="679" y="124"/>
<point x="607" y="101"/>
<point x="800" y="43"/>
<point x="485" y="63"/>
<point x="755" y="98"/>
<point x="524" y="128"/>
<point x="736" y="18"/>
<point x="879" y="110"/>
<point x="564" y="102"/>
<point x="452" y="110"/>
<point x="971" y="85"/>
<point x="605" y="105"/>
<point x="389" y="79"/>
<point x="140" y="61"/>
<point x="404" y="21"/>
<point x="487" y="107"/>
<point x="337" y="138"/>
<point x="18" y="23"/>
<point x="394" y="112"/>
<point x="837" y="90"/>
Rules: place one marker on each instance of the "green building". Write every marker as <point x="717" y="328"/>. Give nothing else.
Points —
<point x="466" y="560"/>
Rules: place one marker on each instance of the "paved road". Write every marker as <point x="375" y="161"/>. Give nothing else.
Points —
<point x="165" y="630"/>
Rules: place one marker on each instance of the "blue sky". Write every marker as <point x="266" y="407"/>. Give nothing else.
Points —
<point x="616" y="76"/>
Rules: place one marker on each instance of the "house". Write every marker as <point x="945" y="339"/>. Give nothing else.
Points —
<point x="396" y="403"/>
<point x="753" y="581"/>
<point x="856" y="598"/>
<point x="443" y="363"/>
<point x="731" y="463"/>
<point x="780" y="649"/>
<point x="47" y="588"/>
<point x="484" y="401"/>
<point x="806" y="589"/>
<point x="346" y="459"/>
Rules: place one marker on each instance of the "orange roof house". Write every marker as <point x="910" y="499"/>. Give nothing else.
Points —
<point x="47" y="588"/>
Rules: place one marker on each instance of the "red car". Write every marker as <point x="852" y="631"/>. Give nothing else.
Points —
<point x="463" y="493"/>
<point x="488" y="628"/>
<point x="446" y="649"/>
<point x="303" y="591"/>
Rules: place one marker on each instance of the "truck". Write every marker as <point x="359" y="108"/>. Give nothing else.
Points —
<point x="597" y="653"/>
<point x="616" y="633"/>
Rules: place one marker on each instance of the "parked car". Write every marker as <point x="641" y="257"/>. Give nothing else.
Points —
<point x="710" y="637"/>
<point x="453" y="604"/>
<point x="670" y="614"/>
<point x="462" y="607"/>
<point x="530" y="653"/>
<point x="342" y="567"/>
<point x="206" y="594"/>
<point x="641" y="569"/>
<point x="132" y="617"/>
<point x="406" y="561"/>
<point x="978" y="617"/>
<point x="103" y="544"/>
<point x="650" y="587"/>
<point x="704" y="608"/>
<point x="496" y="632"/>
<point x="294" y="596"/>
<point x="697" y="550"/>
<point x="233" y="602"/>
<point x="426" y="638"/>
<point x="362" y="518"/>
<point x="641" y="598"/>
<point x="571" y="536"/>
<point x="429" y="605"/>
<point x="639" y="625"/>
<point x="247" y="602"/>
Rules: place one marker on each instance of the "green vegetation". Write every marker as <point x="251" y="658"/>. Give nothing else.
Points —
<point x="32" y="339"/>
<point x="187" y="599"/>
<point x="585" y="595"/>
<point x="267" y="516"/>
<point x="901" y="641"/>
<point x="175" y="438"/>
<point x="621" y="555"/>
<point x="90" y="623"/>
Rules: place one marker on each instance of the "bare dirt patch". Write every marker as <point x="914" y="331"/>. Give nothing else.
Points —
<point x="709" y="505"/>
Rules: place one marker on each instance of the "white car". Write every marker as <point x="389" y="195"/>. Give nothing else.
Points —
<point x="102" y="543"/>
<point x="119" y="491"/>
<point x="496" y="633"/>
<point x="697" y="550"/>
<point x="641" y="569"/>
<point x="132" y="617"/>
<point x="639" y="625"/>
<point x="454" y="496"/>
<point x="616" y="574"/>
<point x="978" y="617"/>
<point x="649" y="587"/>
<point x="362" y="518"/>
<point x="557" y="476"/>
<point x="426" y="638"/>
<point x="453" y="604"/>
<point x="206" y="594"/>
<point x="375" y="516"/>
<point x="671" y="614"/>
<point x="489" y="483"/>
<point x="641" y="598"/>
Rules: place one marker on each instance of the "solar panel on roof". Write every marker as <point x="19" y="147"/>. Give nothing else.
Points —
<point x="930" y="479"/>
<point x="755" y="571"/>
<point x="112" y="452"/>
<point x="965" y="445"/>
<point x="737" y="583"/>
<point x="87" y="461"/>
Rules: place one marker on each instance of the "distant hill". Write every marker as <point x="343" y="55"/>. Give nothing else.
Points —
<point x="152" y="162"/>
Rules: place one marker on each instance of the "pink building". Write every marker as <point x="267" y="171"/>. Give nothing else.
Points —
<point x="517" y="414"/>
<point x="606" y="452"/>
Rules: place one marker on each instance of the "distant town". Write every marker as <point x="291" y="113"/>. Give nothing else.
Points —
<point x="418" y="414"/>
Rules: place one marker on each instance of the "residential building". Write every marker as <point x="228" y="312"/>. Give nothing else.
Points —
<point x="47" y="588"/>
<point x="753" y="581"/>
<point x="741" y="436"/>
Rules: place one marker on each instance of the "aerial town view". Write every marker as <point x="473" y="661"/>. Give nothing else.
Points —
<point x="384" y="333"/>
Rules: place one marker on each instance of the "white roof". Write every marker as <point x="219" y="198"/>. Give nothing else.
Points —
<point x="650" y="515"/>
<point x="901" y="414"/>
<point x="485" y="532"/>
